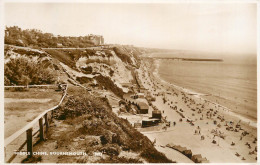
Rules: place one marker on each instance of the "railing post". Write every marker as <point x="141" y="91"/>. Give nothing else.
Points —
<point x="29" y="143"/>
<point x="46" y="122"/>
<point x="41" y="129"/>
<point x="52" y="114"/>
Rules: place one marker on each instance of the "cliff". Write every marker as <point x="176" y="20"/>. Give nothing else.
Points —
<point x="87" y="115"/>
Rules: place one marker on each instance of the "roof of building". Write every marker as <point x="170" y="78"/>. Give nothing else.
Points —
<point x="143" y="105"/>
<point x="150" y="120"/>
<point x="156" y="112"/>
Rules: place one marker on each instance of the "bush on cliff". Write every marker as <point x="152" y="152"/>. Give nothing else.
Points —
<point x="109" y="84"/>
<point x="25" y="71"/>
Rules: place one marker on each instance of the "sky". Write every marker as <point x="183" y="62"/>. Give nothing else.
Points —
<point x="211" y="27"/>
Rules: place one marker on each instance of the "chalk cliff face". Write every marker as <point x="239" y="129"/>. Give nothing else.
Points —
<point x="116" y="64"/>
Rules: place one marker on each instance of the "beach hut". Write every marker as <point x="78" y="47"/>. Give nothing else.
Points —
<point x="150" y="98"/>
<point x="150" y="122"/>
<point x="195" y="158"/>
<point x="142" y="107"/>
<point x="157" y="114"/>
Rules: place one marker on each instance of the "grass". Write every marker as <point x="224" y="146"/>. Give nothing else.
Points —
<point x="18" y="112"/>
<point x="32" y="93"/>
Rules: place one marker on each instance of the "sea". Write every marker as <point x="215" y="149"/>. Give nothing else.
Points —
<point x="230" y="83"/>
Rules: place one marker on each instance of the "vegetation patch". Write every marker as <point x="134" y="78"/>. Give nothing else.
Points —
<point x="62" y="57"/>
<point x="83" y="80"/>
<point x="110" y="85"/>
<point x="116" y="159"/>
<point x="36" y="38"/>
<point x="25" y="71"/>
<point x="115" y="134"/>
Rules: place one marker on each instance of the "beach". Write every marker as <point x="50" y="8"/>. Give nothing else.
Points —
<point x="228" y="137"/>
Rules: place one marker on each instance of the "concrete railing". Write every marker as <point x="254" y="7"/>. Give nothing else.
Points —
<point x="29" y="129"/>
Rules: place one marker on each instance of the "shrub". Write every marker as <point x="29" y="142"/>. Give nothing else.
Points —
<point x="83" y="80"/>
<point x="24" y="71"/>
<point x="111" y="150"/>
<point x="87" y="70"/>
<point x="109" y="84"/>
<point x="29" y="52"/>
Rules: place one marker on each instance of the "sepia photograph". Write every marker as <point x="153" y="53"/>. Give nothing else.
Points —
<point x="130" y="82"/>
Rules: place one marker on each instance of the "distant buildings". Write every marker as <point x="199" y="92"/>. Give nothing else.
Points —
<point x="142" y="107"/>
<point x="96" y="39"/>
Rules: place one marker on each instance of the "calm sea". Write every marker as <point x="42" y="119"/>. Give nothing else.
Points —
<point x="232" y="84"/>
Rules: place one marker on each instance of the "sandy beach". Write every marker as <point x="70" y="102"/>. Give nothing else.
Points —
<point x="227" y="137"/>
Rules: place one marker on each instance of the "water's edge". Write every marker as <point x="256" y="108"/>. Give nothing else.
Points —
<point x="200" y="95"/>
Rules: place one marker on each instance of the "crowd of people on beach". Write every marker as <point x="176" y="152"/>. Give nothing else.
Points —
<point x="199" y="109"/>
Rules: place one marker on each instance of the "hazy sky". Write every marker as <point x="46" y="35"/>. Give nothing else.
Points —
<point x="214" y="27"/>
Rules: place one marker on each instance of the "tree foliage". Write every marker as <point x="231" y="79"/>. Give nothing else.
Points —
<point x="25" y="71"/>
<point x="38" y="39"/>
